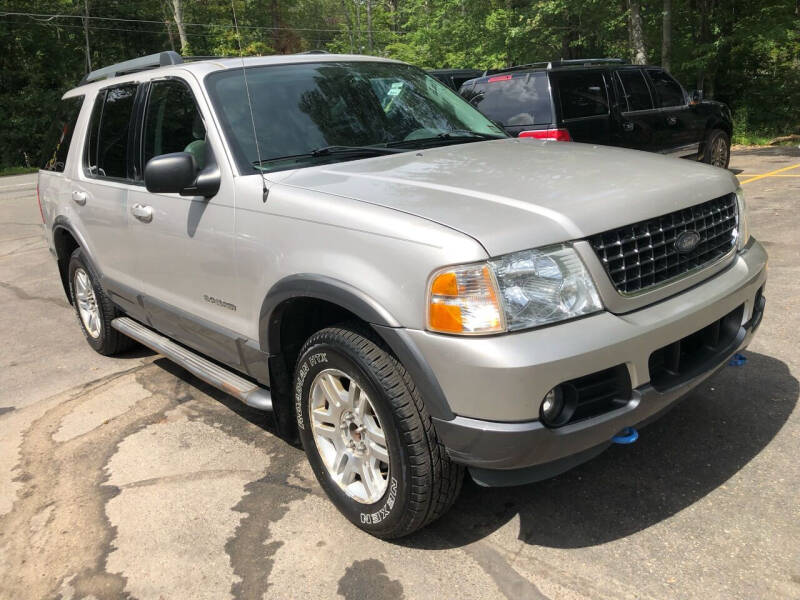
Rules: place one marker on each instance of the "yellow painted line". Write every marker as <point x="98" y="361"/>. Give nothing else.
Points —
<point x="770" y="174"/>
<point x="766" y="175"/>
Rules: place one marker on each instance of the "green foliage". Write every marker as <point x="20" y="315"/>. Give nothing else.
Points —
<point x="17" y="171"/>
<point x="741" y="52"/>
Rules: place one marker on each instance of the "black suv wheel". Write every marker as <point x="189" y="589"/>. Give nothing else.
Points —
<point x="717" y="149"/>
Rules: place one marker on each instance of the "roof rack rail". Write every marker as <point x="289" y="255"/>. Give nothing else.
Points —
<point x="143" y="63"/>
<point x="590" y="61"/>
<point x="558" y="63"/>
<point x="209" y="57"/>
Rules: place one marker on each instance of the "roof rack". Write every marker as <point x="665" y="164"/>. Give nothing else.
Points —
<point x="151" y="61"/>
<point x="558" y="63"/>
<point x="590" y="61"/>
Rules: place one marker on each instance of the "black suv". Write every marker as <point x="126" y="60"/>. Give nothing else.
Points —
<point x="605" y="101"/>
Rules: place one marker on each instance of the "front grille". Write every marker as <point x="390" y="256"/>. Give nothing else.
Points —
<point x="639" y="256"/>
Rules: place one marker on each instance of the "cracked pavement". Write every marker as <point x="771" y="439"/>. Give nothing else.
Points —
<point x="128" y="478"/>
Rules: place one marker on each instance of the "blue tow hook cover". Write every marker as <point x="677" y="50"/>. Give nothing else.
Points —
<point x="626" y="436"/>
<point x="738" y="360"/>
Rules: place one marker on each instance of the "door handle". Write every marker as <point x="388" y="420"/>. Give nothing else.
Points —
<point x="671" y="120"/>
<point x="79" y="198"/>
<point x="142" y="212"/>
<point x="627" y="126"/>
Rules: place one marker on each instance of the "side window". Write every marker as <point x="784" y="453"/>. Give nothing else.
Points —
<point x="668" y="91"/>
<point x="583" y="94"/>
<point x="69" y="110"/>
<point x="173" y="123"/>
<point x="635" y="89"/>
<point x="91" y="134"/>
<point x="107" y="142"/>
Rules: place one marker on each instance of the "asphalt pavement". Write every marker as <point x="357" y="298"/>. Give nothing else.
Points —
<point x="128" y="478"/>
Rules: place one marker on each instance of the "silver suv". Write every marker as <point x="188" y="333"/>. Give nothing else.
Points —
<point x="346" y="244"/>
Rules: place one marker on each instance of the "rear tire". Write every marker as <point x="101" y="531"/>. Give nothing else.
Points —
<point x="93" y="308"/>
<point x="717" y="149"/>
<point x="413" y="482"/>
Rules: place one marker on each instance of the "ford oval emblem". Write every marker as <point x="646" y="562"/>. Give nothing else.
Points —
<point x="687" y="241"/>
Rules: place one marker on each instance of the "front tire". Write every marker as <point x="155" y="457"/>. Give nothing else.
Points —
<point x="93" y="308"/>
<point x="717" y="149"/>
<point x="367" y="434"/>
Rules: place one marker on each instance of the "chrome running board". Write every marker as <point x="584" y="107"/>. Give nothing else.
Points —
<point x="202" y="368"/>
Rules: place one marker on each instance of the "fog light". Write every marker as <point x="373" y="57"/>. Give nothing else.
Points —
<point x="552" y="406"/>
<point x="558" y="405"/>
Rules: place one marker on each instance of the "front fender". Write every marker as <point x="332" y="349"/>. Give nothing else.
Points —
<point x="321" y="287"/>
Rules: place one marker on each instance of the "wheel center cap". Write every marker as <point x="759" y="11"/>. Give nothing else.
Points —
<point x="352" y="432"/>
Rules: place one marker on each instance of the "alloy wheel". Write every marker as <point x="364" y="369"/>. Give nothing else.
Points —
<point x="87" y="303"/>
<point x="719" y="153"/>
<point x="349" y="436"/>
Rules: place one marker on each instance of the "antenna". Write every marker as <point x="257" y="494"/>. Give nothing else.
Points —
<point x="264" y="190"/>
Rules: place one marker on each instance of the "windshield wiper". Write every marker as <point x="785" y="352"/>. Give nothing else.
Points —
<point x="453" y="136"/>
<point x="327" y="150"/>
<point x="460" y="133"/>
<point x="333" y="150"/>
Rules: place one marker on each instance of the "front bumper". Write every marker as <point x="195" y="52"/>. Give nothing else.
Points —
<point x="494" y="385"/>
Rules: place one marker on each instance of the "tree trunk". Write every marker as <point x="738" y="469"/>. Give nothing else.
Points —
<point x="637" y="33"/>
<point x="177" y="13"/>
<point x="666" y="35"/>
<point x="369" y="25"/>
<point x="349" y="24"/>
<point x="705" y="71"/>
<point x="358" y="26"/>
<point x="86" y="36"/>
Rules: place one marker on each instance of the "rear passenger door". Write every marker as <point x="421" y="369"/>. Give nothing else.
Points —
<point x="100" y="190"/>
<point x="184" y="245"/>
<point x="681" y="128"/>
<point x="584" y="100"/>
<point x="637" y="121"/>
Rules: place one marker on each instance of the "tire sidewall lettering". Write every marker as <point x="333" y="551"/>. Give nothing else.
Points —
<point x="302" y="373"/>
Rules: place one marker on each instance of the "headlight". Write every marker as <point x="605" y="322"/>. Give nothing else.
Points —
<point x="516" y="291"/>
<point x="544" y="286"/>
<point x="742" y="231"/>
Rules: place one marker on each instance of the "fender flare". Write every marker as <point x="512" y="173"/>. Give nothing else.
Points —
<point x="62" y="222"/>
<point x="309" y="285"/>
<point x="321" y="287"/>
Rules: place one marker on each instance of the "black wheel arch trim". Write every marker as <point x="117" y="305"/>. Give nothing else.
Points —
<point x="321" y="287"/>
<point x="63" y="223"/>
<point x="340" y="293"/>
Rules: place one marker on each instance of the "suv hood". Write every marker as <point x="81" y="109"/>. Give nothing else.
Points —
<point x="515" y="194"/>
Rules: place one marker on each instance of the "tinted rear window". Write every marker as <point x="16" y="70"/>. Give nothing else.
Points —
<point x="583" y="94"/>
<point x="62" y="136"/>
<point x="635" y="89"/>
<point x="107" y="144"/>
<point x="518" y="100"/>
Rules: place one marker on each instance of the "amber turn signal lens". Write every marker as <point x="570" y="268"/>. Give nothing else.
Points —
<point x="464" y="300"/>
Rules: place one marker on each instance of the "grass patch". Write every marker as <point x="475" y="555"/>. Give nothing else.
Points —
<point x="17" y="170"/>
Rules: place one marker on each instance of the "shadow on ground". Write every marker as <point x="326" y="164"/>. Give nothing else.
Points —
<point x="678" y="460"/>
<point x="787" y="151"/>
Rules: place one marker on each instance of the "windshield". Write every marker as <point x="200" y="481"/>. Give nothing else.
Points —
<point x="300" y="109"/>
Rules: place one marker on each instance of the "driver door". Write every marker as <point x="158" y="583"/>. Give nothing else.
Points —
<point x="184" y="245"/>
